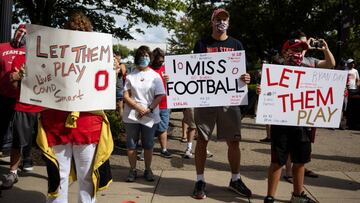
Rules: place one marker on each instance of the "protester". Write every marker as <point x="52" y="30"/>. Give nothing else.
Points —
<point x="294" y="140"/>
<point x="158" y="66"/>
<point x="190" y="129"/>
<point x="23" y="123"/>
<point x="143" y="92"/>
<point x="230" y="116"/>
<point x="120" y="79"/>
<point x="84" y="137"/>
<point x="8" y="51"/>
<point x="353" y="95"/>
<point x="353" y="78"/>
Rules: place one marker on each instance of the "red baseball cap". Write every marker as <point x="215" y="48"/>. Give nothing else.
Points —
<point x="218" y="11"/>
<point x="22" y="26"/>
<point x="294" y="43"/>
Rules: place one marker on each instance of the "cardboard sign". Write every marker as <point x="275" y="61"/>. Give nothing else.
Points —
<point x="206" y="80"/>
<point x="68" y="70"/>
<point x="300" y="96"/>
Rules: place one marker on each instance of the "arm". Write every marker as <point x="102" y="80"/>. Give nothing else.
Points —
<point x="132" y="103"/>
<point x="245" y="78"/>
<point x="16" y="76"/>
<point x="329" y="61"/>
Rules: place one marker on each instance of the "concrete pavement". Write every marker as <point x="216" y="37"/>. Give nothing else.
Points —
<point x="336" y="157"/>
<point x="176" y="186"/>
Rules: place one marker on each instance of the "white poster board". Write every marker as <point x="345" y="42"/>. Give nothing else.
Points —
<point x="68" y="70"/>
<point x="300" y="96"/>
<point x="206" y="80"/>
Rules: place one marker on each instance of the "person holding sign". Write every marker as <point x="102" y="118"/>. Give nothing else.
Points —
<point x="295" y="140"/>
<point x="80" y="138"/>
<point x="23" y="124"/>
<point x="8" y="51"/>
<point x="143" y="91"/>
<point x="230" y="116"/>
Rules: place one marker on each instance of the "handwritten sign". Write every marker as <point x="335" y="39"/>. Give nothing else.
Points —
<point x="68" y="70"/>
<point x="299" y="96"/>
<point x="205" y="80"/>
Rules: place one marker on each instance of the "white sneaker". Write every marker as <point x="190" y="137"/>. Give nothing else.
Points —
<point x="141" y="156"/>
<point x="209" y="154"/>
<point x="188" y="154"/>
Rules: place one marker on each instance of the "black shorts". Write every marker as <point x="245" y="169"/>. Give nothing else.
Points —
<point x="24" y="128"/>
<point x="291" y="140"/>
<point x="6" y="115"/>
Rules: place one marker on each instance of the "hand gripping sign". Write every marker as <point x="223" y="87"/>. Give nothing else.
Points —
<point x="300" y="96"/>
<point x="205" y="80"/>
<point x="68" y="70"/>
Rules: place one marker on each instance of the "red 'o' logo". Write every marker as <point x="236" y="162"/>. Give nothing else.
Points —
<point x="102" y="73"/>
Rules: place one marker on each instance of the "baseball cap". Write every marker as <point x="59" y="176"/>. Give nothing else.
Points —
<point x="22" y="26"/>
<point x="294" y="43"/>
<point x="350" y="61"/>
<point x="218" y="11"/>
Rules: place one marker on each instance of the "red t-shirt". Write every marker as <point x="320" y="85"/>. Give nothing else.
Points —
<point x="7" y="55"/>
<point x="161" y="72"/>
<point x="16" y="64"/>
<point x="87" y="132"/>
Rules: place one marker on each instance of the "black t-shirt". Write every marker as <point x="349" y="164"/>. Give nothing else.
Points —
<point x="209" y="44"/>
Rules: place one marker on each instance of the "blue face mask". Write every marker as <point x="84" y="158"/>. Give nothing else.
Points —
<point x="144" y="62"/>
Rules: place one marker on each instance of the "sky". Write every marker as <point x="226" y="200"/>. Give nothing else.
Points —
<point x="154" y="36"/>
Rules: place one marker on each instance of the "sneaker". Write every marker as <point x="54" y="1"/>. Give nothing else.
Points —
<point x="209" y="154"/>
<point x="188" y="154"/>
<point x="239" y="187"/>
<point x="199" y="190"/>
<point x="265" y="140"/>
<point x="269" y="199"/>
<point x="132" y="175"/>
<point x="165" y="154"/>
<point x="27" y="166"/>
<point x="148" y="175"/>
<point x="9" y="180"/>
<point x="140" y="156"/>
<point x="303" y="198"/>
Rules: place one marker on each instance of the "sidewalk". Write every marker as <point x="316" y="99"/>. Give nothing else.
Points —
<point x="176" y="186"/>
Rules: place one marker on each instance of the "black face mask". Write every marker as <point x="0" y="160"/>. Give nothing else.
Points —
<point x="19" y="40"/>
<point x="156" y="65"/>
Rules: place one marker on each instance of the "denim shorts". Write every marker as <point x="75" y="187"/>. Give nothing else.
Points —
<point x="164" y="120"/>
<point x="133" y="133"/>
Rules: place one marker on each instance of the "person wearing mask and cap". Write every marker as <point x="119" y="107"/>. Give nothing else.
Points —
<point x="9" y="93"/>
<point x="229" y="129"/>
<point x="8" y="51"/>
<point x="295" y="140"/>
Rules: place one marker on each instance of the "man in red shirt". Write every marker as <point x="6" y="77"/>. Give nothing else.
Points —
<point x="8" y="51"/>
<point x="23" y="124"/>
<point x="158" y="66"/>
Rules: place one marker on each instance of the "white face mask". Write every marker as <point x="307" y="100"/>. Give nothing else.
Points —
<point x="222" y="26"/>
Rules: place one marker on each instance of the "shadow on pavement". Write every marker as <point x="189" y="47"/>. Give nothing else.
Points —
<point x="21" y="196"/>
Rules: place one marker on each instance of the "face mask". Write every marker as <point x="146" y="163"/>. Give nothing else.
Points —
<point x="295" y="58"/>
<point x="144" y="62"/>
<point x="19" y="39"/>
<point x="222" y="26"/>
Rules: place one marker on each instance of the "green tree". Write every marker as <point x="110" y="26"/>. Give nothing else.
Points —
<point x="263" y="25"/>
<point x="54" y="13"/>
<point x="122" y="50"/>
